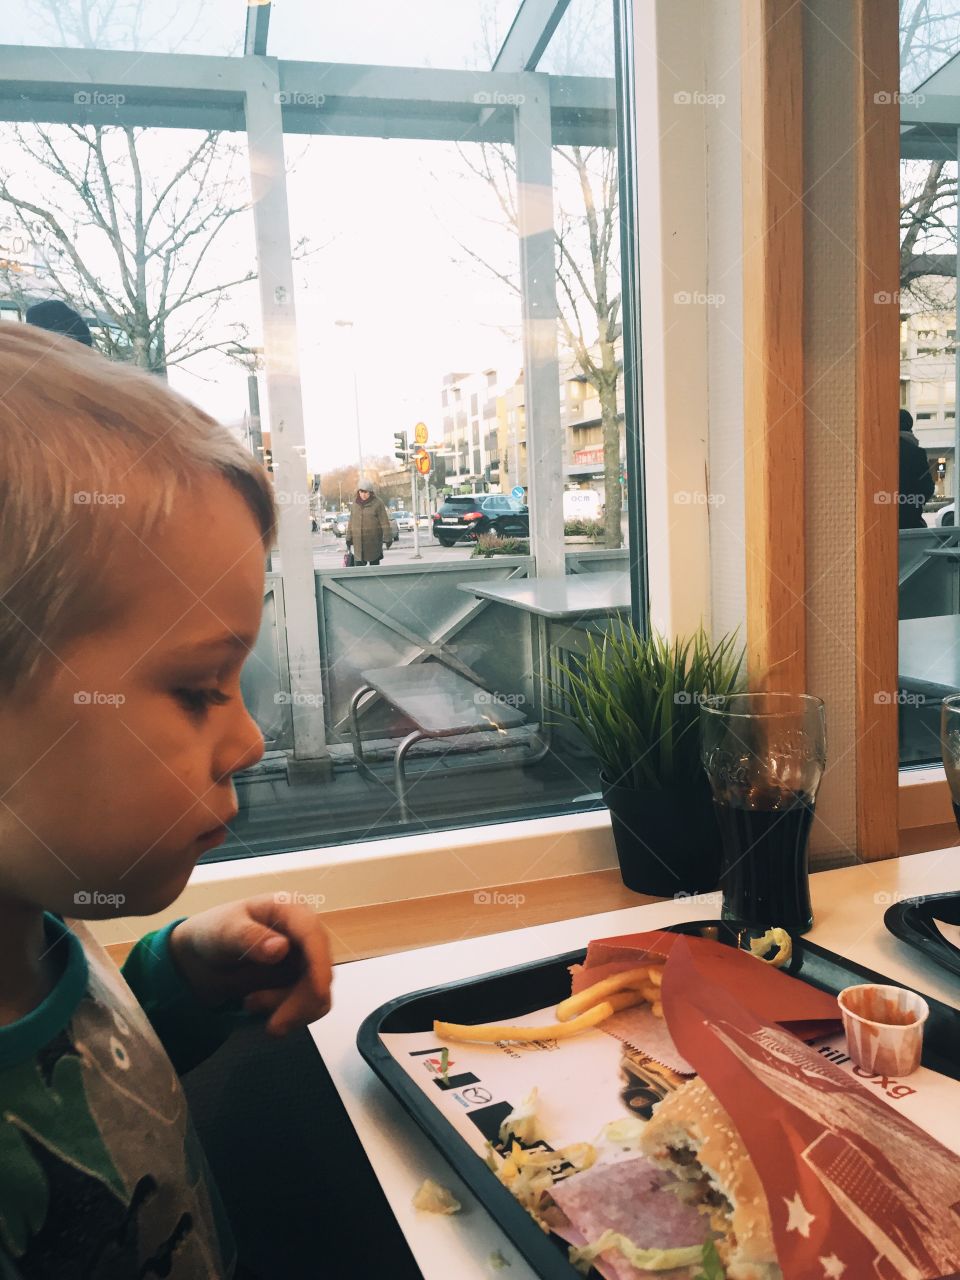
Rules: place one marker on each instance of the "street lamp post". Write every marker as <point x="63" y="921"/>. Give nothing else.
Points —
<point x="348" y="324"/>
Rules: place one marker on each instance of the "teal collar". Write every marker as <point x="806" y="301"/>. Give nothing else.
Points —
<point x="22" y="1039"/>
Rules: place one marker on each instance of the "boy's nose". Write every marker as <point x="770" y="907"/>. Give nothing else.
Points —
<point x="241" y="747"/>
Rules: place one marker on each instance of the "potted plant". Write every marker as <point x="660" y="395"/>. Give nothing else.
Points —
<point x="636" y="699"/>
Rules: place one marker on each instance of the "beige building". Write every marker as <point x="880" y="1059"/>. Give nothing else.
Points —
<point x="485" y="431"/>
<point x="928" y="386"/>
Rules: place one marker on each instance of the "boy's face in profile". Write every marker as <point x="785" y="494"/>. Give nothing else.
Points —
<point x="119" y="762"/>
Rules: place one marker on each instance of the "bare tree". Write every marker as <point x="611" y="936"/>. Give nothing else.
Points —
<point x="129" y="247"/>
<point x="587" y="257"/>
<point x="929" y="37"/>
<point x="123" y="24"/>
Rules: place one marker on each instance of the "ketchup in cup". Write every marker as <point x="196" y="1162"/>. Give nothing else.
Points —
<point x="884" y="1028"/>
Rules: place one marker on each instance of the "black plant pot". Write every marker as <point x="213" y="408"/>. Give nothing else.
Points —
<point x="668" y="841"/>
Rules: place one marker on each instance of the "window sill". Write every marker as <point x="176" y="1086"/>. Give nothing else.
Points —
<point x="381" y="896"/>
<point x="399" y="869"/>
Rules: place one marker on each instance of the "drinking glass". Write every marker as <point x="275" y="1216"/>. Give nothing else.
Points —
<point x="764" y="754"/>
<point x="950" y="747"/>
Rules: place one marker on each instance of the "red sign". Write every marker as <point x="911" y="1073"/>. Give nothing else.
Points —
<point x="592" y="455"/>
<point x="422" y="462"/>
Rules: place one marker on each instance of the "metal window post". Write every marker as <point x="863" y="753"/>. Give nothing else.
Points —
<point x="311" y="759"/>
<point x="956" y="389"/>
<point x="538" y="298"/>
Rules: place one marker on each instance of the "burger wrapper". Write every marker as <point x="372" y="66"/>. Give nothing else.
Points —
<point x="854" y="1189"/>
<point x="772" y="995"/>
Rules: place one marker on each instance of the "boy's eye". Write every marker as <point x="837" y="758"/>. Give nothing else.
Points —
<point x="201" y="699"/>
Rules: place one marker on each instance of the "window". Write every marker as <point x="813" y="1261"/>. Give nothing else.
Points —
<point x="408" y="309"/>
<point x="929" y="605"/>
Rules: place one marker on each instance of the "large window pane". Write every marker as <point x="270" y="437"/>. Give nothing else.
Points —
<point x="929" y="665"/>
<point x="459" y="290"/>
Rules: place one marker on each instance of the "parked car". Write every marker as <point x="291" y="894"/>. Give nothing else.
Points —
<point x="464" y="516"/>
<point x="404" y="520"/>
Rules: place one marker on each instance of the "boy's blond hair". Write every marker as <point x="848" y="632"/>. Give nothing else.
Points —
<point x="86" y="444"/>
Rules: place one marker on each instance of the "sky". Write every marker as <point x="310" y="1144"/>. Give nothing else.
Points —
<point x="384" y="221"/>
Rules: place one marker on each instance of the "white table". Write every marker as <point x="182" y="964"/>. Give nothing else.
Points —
<point x="848" y="906"/>
<point x="566" y="610"/>
<point x="574" y="597"/>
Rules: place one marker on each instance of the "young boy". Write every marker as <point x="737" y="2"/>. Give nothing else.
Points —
<point x="133" y="531"/>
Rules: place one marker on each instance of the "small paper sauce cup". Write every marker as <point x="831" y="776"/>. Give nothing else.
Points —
<point x="884" y="1028"/>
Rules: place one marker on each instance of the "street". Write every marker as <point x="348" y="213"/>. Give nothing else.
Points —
<point x="328" y="549"/>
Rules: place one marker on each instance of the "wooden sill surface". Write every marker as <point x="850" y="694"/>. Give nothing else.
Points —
<point x="361" y="932"/>
<point x="358" y="933"/>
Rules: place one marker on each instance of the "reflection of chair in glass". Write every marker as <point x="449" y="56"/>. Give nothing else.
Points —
<point x="929" y="572"/>
<point x="441" y="703"/>
<point x="929" y="611"/>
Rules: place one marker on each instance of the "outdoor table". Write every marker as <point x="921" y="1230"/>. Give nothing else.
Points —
<point x="848" y="906"/>
<point x="567" y="610"/>
<point x="929" y="660"/>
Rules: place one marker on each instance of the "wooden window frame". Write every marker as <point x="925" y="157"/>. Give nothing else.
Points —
<point x="889" y="803"/>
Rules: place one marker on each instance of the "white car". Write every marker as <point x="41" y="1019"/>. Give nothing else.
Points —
<point x="582" y="504"/>
<point x="404" y="520"/>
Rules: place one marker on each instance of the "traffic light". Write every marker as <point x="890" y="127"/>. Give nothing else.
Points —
<point x="400" y="446"/>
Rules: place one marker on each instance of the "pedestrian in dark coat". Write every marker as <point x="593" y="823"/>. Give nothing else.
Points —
<point x="916" y="480"/>
<point x="368" y="529"/>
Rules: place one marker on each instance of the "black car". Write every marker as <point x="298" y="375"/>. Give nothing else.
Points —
<point x="464" y="516"/>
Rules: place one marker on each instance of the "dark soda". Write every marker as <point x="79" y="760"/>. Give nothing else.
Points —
<point x="764" y="874"/>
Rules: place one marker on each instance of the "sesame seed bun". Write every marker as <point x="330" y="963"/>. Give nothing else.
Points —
<point x="692" y="1120"/>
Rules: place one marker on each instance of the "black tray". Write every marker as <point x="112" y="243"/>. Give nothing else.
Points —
<point x="508" y="993"/>
<point x="912" y="922"/>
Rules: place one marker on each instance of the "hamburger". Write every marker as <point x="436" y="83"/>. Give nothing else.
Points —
<point x="692" y="1136"/>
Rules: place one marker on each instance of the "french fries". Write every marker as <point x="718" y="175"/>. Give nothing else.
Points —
<point x="635" y="979"/>
<point x="490" y="1033"/>
<point x="577" y="1013"/>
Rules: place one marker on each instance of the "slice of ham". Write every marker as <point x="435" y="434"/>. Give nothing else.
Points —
<point x="629" y="1196"/>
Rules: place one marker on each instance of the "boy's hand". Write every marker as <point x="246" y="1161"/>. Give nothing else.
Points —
<point x="275" y="954"/>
